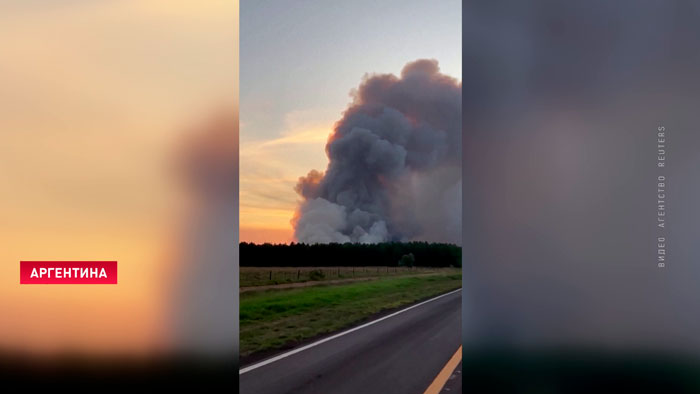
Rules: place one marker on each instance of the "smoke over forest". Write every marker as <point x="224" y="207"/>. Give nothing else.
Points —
<point x="394" y="171"/>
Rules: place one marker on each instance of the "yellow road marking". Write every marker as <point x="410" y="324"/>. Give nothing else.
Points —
<point x="447" y="370"/>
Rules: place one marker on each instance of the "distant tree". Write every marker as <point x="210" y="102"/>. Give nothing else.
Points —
<point x="407" y="260"/>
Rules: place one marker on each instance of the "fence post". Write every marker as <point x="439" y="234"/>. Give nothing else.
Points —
<point x="270" y="275"/>
<point x="298" y="274"/>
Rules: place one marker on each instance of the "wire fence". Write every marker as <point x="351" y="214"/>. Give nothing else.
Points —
<point x="258" y="276"/>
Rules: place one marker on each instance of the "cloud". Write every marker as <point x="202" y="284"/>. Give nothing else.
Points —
<point x="396" y="132"/>
<point x="270" y="168"/>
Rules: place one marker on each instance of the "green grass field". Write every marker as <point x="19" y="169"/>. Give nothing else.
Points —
<point x="280" y="318"/>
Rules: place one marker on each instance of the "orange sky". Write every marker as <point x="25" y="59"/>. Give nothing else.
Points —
<point x="270" y="235"/>
<point x="270" y="168"/>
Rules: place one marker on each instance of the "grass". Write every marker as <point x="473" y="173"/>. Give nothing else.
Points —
<point x="262" y="276"/>
<point x="281" y="318"/>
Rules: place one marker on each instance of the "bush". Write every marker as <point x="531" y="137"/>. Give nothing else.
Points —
<point x="407" y="260"/>
<point x="316" y="275"/>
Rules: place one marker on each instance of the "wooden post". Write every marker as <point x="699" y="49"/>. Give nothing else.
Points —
<point x="270" y="275"/>
<point x="298" y="274"/>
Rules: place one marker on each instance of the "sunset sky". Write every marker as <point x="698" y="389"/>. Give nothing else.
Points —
<point x="299" y="62"/>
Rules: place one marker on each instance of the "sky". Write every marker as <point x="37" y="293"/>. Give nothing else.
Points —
<point x="96" y="97"/>
<point x="299" y="61"/>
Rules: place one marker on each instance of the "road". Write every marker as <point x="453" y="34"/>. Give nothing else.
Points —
<point x="400" y="353"/>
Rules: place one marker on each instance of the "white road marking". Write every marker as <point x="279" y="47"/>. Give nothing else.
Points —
<point x="309" y="346"/>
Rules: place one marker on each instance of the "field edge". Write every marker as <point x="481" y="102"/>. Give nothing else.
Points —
<point x="257" y="356"/>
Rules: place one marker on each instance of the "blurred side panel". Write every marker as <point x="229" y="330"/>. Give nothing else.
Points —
<point x="119" y="141"/>
<point x="563" y="102"/>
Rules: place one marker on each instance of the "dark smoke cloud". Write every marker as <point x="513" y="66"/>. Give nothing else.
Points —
<point x="394" y="171"/>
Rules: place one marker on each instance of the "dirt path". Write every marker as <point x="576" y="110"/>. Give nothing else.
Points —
<point x="305" y="284"/>
<point x="321" y="282"/>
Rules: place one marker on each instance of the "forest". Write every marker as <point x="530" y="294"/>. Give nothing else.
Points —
<point x="420" y="254"/>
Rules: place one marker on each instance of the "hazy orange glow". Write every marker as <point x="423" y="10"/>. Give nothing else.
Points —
<point x="270" y="235"/>
<point x="270" y="169"/>
<point x="95" y="99"/>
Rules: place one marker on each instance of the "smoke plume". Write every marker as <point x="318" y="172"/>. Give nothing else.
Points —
<point x="394" y="171"/>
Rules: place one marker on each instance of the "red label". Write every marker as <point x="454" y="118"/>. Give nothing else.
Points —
<point x="67" y="272"/>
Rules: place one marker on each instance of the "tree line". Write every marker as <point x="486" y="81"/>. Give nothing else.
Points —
<point x="422" y="254"/>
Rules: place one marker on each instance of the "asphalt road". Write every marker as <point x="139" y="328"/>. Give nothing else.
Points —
<point x="454" y="383"/>
<point x="400" y="354"/>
